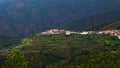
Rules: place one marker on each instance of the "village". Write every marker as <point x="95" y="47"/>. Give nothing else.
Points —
<point x="67" y="32"/>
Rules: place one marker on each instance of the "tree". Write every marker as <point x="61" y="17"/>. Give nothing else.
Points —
<point x="103" y="60"/>
<point x="16" y="60"/>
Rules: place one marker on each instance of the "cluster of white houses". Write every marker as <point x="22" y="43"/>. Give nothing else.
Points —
<point x="57" y="31"/>
<point x="61" y="31"/>
<point x="112" y="33"/>
<point x="67" y="32"/>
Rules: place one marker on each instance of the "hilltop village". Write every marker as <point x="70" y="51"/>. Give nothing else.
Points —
<point x="67" y="32"/>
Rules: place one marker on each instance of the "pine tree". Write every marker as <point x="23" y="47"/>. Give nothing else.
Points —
<point x="16" y="60"/>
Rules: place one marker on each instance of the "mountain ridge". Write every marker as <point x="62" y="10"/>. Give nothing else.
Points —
<point x="26" y="17"/>
<point x="92" y="22"/>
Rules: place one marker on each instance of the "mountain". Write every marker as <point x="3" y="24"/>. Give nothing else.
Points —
<point x="113" y="25"/>
<point x="95" y="22"/>
<point x="6" y="41"/>
<point x="107" y="26"/>
<point x="25" y="17"/>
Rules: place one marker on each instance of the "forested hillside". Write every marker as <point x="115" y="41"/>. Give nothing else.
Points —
<point x="106" y="26"/>
<point x="95" y="22"/>
<point x="62" y="51"/>
<point x="113" y="25"/>
<point x="6" y="41"/>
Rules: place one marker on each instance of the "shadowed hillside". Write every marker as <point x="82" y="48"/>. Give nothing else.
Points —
<point x="25" y="17"/>
<point x="6" y="41"/>
<point x="94" y="22"/>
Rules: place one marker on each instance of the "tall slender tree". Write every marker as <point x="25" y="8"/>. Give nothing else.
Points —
<point x="16" y="60"/>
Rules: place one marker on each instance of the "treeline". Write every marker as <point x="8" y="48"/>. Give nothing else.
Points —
<point x="101" y="60"/>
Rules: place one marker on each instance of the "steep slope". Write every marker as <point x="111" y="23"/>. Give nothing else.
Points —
<point x="106" y="26"/>
<point x="94" y="22"/>
<point x="65" y="51"/>
<point x="6" y="41"/>
<point x="25" y="17"/>
<point x="113" y="25"/>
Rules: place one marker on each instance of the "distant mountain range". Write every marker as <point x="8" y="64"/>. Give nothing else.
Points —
<point x="26" y="17"/>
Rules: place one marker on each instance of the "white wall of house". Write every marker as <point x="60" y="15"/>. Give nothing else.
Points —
<point x="118" y="37"/>
<point x="84" y="33"/>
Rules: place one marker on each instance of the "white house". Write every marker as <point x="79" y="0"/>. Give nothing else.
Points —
<point x="84" y="32"/>
<point x="68" y="33"/>
<point x="47" y="33"/>
<point x="100" y="32"/>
